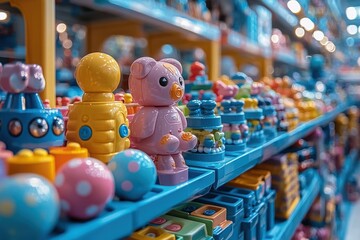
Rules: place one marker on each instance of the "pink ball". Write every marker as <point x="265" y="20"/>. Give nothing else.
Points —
<point x="85" y="186"/>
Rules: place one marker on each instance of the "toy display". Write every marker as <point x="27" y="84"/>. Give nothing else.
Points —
<point x="67" y="153"/>
<point x="37" y="162"/>
<point x="187" y="229"/>
<point x="270" y="121"/>
<point x="84" y="185"/>
<point x="28" y="124"/>
<point x="234" y="125"/>
<point x="134" y="174"/>
<point x="214" y="218"/>
<point x="158" y="127"/>
<point x="207" y="127"/>
<point x="29" y="207"/>
<point x="254" y="117"/>
<point x="98" y="123"/>
<point x="284" y="180"/>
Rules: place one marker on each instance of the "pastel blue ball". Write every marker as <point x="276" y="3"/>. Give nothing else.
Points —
<point x="29" y="207"/>
<point x="134" y="173"/>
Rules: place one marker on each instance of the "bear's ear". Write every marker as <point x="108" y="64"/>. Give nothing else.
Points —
<point x="141" y="67"/>
<point x="174" y="62"/>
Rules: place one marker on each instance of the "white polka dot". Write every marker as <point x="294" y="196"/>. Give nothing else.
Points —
<point x="91" y="210"/>
<point x="65" y="206"/>
<point x="127" y="186"/>
<point x="74" y="163"/>
<point x="59" y="180"/>
<point x="112" y="166"/>
<point x="83" y="188"/>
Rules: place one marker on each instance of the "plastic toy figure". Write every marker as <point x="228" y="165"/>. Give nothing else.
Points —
<point x="207" y="127"/>
<point x="98" y="123"/>
<point x="158" y="127"/>
<point x="26" y="123"/>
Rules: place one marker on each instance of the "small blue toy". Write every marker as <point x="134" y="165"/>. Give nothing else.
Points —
<point x="234" y="122"/>
<point x="254" y="117"/>
<point x="24" y="121"/>
<point x="29" y="207"/>
<point x="207" y="127"/>
<point x="133" y="168"/>
<point x="270" y="118"/>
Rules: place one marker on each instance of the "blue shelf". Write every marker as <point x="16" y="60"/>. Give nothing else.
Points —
<point x="282" y="13"/>
<point x="288" y="59"/>
<point x="238" y="42"/>
<point x="155" y="14"/>
<point x="236" y="163"/>
<point x="286" y="229"/>
<point x="121" y="218"/>
<point x="285" y="140"/>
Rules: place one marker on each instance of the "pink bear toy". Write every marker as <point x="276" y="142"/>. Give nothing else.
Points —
<point x="14" y="77"/>
<point x="158" y="127"/>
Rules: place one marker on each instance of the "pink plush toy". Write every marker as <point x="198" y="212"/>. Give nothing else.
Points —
<point x="158" y="127"/>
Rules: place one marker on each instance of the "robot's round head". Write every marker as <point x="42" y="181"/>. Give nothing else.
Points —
<point x="98" y="73"/>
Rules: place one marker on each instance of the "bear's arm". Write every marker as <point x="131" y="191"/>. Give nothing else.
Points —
<point x="143" y="123"/>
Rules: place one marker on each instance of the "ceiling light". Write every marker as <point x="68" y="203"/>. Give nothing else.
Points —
<point x="352" y="29"/>
<point x="351" y="13"/>
<point x="299" y="32"/>
<point x="330" y="46"/>
<point x="3" y="16"/>
<point x="61" y="27"/>
<point x="275" y="38"/>
<point x="307" y="24"/>
<point x="294" y="6"/>
<point x="324" y="41"/>
<point x="318" y="35"/>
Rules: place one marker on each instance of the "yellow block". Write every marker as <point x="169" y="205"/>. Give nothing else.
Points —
<point x="65" y="154"/>
<point x="38" y="162"/>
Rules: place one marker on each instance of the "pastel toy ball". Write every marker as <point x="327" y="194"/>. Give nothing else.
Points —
<point x="85" y="186"/>
<point x="29" y="207"/>
<point x="134" y="173"/>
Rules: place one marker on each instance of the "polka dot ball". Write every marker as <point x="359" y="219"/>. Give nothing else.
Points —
<point x="85" y="186"/>
<point x="134" y="173"/>
<point x="29" y="207"/>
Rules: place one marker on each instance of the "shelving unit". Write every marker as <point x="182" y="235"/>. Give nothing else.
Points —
<point x="236" y="163"/>
<point x="121" y="218"/>
<point x="286" y="229"/>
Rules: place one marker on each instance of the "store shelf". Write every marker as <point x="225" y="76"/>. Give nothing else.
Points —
<point x="234" y="41"/>
<point x="285" y="16"/>
<point x="121" y="218"/>
<point x="285" y="229"/>
<point x="349" y="164"/>
<point x="153" y="13"/>
<point x="236" y="163"/>
<point x="288" y="59"/>
<point x="285" y="140"/>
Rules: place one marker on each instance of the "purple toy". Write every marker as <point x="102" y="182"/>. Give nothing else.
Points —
<point x="158" y="127"/>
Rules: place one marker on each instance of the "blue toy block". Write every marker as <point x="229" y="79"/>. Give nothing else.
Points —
<point x="248" y="226"/>
<point x="234" y="207"/>
<point x="249" y="200"/>
<point x="261" y="210"/>
<point x="270" y="213"/>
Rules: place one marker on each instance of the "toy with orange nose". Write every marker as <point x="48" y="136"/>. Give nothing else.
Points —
<point x="158" y="127"/>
